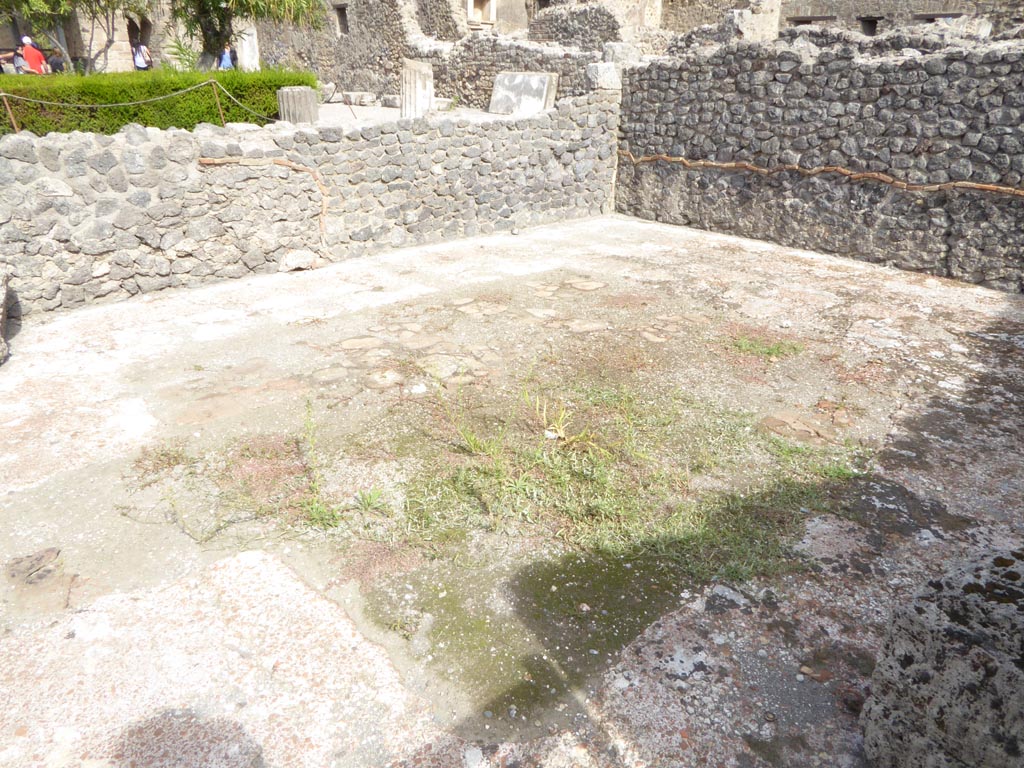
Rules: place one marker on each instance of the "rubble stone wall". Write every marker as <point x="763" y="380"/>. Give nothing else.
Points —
<point x="366" y="58"/>
<point x="684" y="15"/>
<point x="468" y="71"/>
<point x="441" y="19"/>
<point x="890" y="13"/>
<point x="1004" y="14"/>
<point x="938" y="115"/>
<point x="85" y="217"/>
<point x="588" y="26"/>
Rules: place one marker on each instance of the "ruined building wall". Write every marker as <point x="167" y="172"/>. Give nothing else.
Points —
<point x="588" y="26"/>
<point x="860" y="103"/>
<point x="896" y="13"/>
<point x="468" y="71"/>
<point x="368" y="57"/>
<point x="1004" y="14"/>
<point x="442" y="19"/>
<point x="380" y="34"/>
<point x="85" y="217"/>
<point x="684" y="15"/>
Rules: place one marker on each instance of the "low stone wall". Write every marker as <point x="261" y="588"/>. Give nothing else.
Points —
<point x="86" y="217"/>
<point x="864" y="104"/>
<point x="948" y="688"/>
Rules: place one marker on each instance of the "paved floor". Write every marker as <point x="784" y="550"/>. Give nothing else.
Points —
<point x="132" y="640"/>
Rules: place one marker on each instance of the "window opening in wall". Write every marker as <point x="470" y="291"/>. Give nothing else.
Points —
<point x="803" y="21"/>
<point x="341" y="18"/>
<point x="481" y="12"/>
<point x="869" y="25"/>
<point x="542" y="4"/>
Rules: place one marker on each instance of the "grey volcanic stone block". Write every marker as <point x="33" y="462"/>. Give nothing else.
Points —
<point x="948" y="690"/>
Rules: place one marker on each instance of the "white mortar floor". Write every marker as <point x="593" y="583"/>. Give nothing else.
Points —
<point x="143" y="648"/>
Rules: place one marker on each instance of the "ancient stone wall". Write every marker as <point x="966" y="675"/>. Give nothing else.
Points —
<point x="1004" y="14"/>
<point x="925" y="117"/>
<point x="441" y="19"/>
<point x="468" y="71"/>
<point x="684" y="15"/>
<point x="86" y="217"/>
<point x="588" y="26"/>
<point x="366" y="57"/>
<point x="891" y="14"/>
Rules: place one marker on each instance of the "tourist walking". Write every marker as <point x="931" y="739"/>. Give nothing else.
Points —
<point x="34" y="57"/>
<point x="141" y="57"/>
<point x="228" y="59"/>
<point x="16" y="59"/>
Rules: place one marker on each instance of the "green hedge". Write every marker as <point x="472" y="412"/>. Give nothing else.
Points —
<point x="256" y="90"/>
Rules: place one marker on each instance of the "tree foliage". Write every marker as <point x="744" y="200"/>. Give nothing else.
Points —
<point x="99" y="20"/>
<point x="213" y="20"/>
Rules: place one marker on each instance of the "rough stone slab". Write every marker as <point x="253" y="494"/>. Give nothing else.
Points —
<point x="604" y="76"/>
<point x="948" y="689"/>
<point x="242" y="666"/>
<point x="523" y="93"/>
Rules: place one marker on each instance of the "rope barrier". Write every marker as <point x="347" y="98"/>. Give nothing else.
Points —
<point x="211" y="82"/>
<point x="882" y="178"/>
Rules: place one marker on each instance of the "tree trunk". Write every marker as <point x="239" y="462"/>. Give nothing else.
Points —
<point x="216" y="30"/>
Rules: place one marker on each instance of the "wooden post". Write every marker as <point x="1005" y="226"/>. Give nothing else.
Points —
<point x="216" y="96"/>
<point x="10" y="114"/>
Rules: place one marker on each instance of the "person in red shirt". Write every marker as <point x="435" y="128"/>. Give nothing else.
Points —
<point x="35" y="58"/>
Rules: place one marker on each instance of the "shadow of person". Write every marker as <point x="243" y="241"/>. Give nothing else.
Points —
<point x="180" y="737"/>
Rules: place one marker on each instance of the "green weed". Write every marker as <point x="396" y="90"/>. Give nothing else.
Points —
<point x="761" y="348"/>
<point x="371" y="500"/>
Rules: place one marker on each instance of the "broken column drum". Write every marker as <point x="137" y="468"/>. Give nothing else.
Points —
<point x="298" y="104"/>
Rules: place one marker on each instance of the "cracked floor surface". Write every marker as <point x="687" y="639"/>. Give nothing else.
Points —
<point x="130" y="637"/>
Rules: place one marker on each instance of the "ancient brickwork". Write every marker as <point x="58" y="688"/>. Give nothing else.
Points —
<point x="588" y="26"/>
<point x="948" y="689"/>
<point x="934" y="116"/>
<point x="468" y="71"/>
<point x="87" y="217"/>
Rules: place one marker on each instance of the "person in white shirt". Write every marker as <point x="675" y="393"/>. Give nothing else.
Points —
<point x="141" y="57"/>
